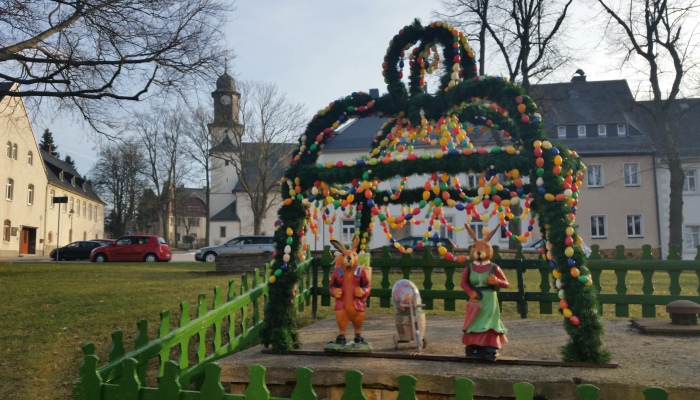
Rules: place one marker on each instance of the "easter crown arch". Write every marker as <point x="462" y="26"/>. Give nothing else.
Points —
<point x="428" y="135"/>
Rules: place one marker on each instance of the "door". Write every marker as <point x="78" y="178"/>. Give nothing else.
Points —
<point x="24" y="242"/>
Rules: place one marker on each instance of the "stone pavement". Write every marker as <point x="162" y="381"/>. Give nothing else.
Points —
<point x="644" y="360"/>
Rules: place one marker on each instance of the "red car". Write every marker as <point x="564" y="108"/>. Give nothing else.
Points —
<point x="146" y="248"/>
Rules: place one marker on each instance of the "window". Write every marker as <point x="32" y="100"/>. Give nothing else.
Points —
<point x="222" y="231"/>
<point x="8" y="152"/>
<point x="621" y="129"/>
<point x="473" y="180"/>
<point x="9" y="188"/>
<point x="30" y="158"/>
<point x="89" y="211"/>
<point x="602" y="130"/>
<point x="77" y="208"/>
<point x="30" y="194"/>
<point x="634" y="225"/>
<point x="60" y="176"/>
<point x="52" y="194"/>
<point x="689" y="181"/>
<point x="72" y="181"/>
<point x="631" y="171"/>
<point x="582" y="131"/>
<point x="85" y="235"/>
<point x="6" y="230"/>
<point x="226" y="163"/>
<point x="595" y="176"/>
<point x="561" y="131"/>
<point x="347" y="230"/>
<point x="598" y="228"/>
<point x="194" y="209"/>
<point x="84" y="209"/>
<point x="692" y="237"/>
<point x="95" y="212"/>
<point x="478" y="228"/>
<point x="71" y="204"/>
<point x="14" y="151"/>
<point x="445" y="232"/>
<point x="193" y="221"/>
<point x="49" y="237"/>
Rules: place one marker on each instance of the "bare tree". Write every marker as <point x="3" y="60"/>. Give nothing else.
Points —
<point x="117" y="179"/>
<point x="659" y="38"/>
<point x="260" y="152"/>
<point x="198" y="149"/>
<point x="80" y="51"/>
<point x="526" y="33"/>
<point x="161" y="132"/>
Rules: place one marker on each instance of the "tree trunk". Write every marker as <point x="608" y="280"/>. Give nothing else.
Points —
<point x="206" y="215"/>
<point x="675" y="208"/>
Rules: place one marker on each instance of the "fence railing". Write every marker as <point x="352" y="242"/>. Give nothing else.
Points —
<point x="170" y="387"/>
<point x="604" y="272"/>
<point x="225" y="329"/>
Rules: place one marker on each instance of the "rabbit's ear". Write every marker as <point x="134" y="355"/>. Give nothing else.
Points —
<point x="339" y="246"/>
<point x="490" y="235"/>
<point x="471" y="232"/>
<point x="355" y="243"/>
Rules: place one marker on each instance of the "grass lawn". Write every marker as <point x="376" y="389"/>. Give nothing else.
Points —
<point x="49" y="310"/>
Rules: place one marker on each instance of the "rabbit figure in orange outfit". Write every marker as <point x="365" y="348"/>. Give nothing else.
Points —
<point x="350" y="287"/>
<point x="483" y="330"/>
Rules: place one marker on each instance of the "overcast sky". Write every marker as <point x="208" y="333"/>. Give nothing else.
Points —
<point x="314" y="51"/>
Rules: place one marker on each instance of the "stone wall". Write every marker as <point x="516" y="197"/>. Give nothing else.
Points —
<point x="240" y="263"/>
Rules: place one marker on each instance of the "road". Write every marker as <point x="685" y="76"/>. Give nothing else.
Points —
<point x="178" y="256"/>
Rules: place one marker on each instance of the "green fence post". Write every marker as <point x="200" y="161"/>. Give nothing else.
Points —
<point x="163" y="329"/>
<point x="648" y="310"/>
<point x="256" y="389"/>
<point x="587" y="392"/>
<point x="522" y="304"/>
<point x="353" y="386"/>
<point x="217" y="324"/>
<point x="304" y="389"/>
<point x="673" y="252"/>
<point x="168" y="386"/>
<point x="449" y="286"/>
<point x="211" y="387"/>
<point x="524" y="391"/>
<point x="90" y="385"/>
<point x="140" y="341"/>
<point x="407" y="387"/>
<point x="202" y="333"/>
<point x="116" y="351"/>
<point x="129" y="386"/>
<point x="185" y="342"/>
<point x="464" y="389"/>
<point x="428" y="285"/>
<point x="655" y="393"/>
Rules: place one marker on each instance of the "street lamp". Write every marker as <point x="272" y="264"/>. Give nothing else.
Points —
<point x="59" y="201"/>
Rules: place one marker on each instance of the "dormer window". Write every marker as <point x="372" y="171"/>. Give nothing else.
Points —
<point x="582" y="131"/>
<point x="561" y="131"/>
<point x="85" y="186"/>
<point x="72" y="181"/>
<point x="60" y="176"/>
<point x="602" y="131"/>
<point x="621" y="129"/>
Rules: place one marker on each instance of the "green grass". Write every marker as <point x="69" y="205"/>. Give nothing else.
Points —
<point x="49" y="310"/>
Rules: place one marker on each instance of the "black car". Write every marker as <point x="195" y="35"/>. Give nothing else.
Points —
<point x="75" y="251"/>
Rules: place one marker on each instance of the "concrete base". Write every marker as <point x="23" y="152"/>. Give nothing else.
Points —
<point x="669" y="362"/>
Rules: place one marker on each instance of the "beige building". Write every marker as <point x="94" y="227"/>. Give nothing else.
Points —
<point x="32" y="178"/>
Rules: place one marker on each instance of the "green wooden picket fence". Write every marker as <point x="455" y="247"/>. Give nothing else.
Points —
<point x="170" y="388"/>
<point x="545" y="295"/>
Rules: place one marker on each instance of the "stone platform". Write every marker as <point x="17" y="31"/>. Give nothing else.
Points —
<point x="639" y="360"/>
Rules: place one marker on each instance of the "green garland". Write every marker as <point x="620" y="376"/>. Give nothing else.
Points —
<point x="478" y="103"/>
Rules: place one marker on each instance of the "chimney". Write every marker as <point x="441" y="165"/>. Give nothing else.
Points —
<point x="579" y="76"/>
<point x="374" y="93"/>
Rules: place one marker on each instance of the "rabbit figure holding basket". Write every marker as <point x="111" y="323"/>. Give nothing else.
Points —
<point x="484" y="333"/>
<point x="350" y="286"/>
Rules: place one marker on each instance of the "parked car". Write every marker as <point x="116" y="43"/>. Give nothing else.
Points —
<point x="103" y="242"/>
<point x="79" y="250"/>
<point x="240" y="245"/>
<point x="412" y="241"/>
<point x="146" y="248"/>
<point x="537" y="244"/>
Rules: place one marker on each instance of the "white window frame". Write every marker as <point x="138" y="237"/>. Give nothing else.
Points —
<point x="631" y="179"/>
<point x="561" y="131"/>
<point x="222" y="231"/>
<point x="598" y="234"/>
<point x="691" y="237"/>
<point x="473" y="180"/>
<point x="478" y="228"/>
<point x="621" y="129"/>
<point x="347" y="230"/>
<point x="30" y="194"/>
<point x="689" y="181"/>
<point x="9" y="189"/>
<point x="52" y="194"/>
<point x="631" y="218"/>
<point x="14" y="151"/>
<point x="581" y="130"/>
<point x="30" y="158"/>
<point x="89" y="211"/>
<point x="84" y="209"/>
<point x="601" y="176"/>
<point x="8" y="151"/>
<point x="447" y="233"/>
<point x="72" y="203"/>
<point x="6" y="230"/>
<point x="602" y="130"/>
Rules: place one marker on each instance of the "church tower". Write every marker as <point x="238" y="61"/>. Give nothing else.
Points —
<point x="226" y="107"/>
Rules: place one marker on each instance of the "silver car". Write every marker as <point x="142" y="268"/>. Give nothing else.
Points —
<point x="240" y="245"/>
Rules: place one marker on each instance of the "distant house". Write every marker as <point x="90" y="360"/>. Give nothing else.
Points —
<point x="601" y="121"/>
<point x="32" y="179"/>
<point x="191" y="209"/>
